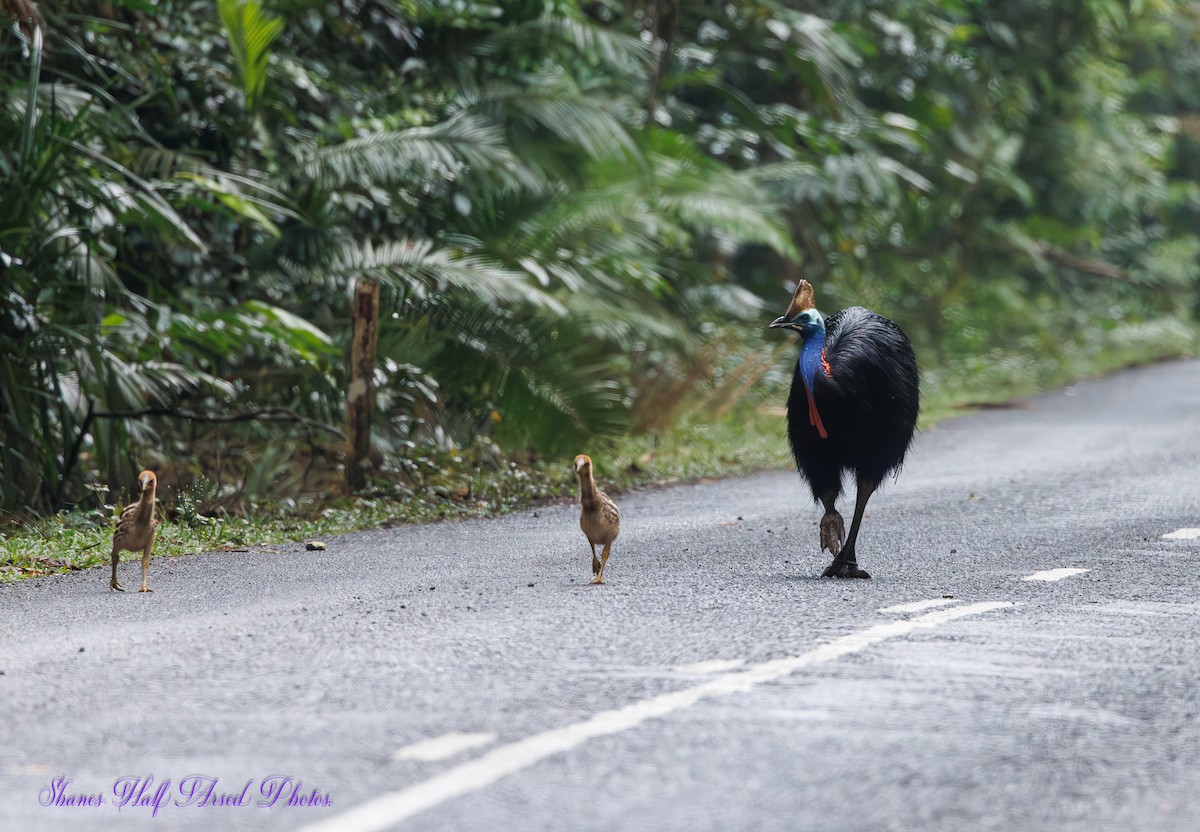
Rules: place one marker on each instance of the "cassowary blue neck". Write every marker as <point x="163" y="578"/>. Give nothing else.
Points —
<point x="812" y="357"/>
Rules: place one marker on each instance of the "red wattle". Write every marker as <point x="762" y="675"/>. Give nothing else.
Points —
<point x="814" y="418"/>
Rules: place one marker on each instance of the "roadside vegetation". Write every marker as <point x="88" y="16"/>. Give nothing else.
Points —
<point x="331" y="265"/>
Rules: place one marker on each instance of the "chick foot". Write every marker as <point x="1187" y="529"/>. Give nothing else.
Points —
<point x="145" y="588"/>
<point x="114" y="585"/>
<point x="833" y="532"/>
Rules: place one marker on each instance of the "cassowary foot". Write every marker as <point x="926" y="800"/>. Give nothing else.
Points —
<point x="844" y="569"/>
<point x="833" y="532"/>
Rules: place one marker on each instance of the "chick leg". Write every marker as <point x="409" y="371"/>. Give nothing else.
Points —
<point x="599" y="579"/>
<point x="844" y="564"/>
<point x="146" y="565"/>
<point x="595" y="560"/>
<point x="114" y="584"/>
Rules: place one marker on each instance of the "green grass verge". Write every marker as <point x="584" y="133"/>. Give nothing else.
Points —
<point x="455" y="486"/>
<point x="472" y="484"/>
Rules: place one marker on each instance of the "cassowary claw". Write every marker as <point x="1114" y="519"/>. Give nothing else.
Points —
<point x="833" y="532"/>
<point x="844" y="569"/>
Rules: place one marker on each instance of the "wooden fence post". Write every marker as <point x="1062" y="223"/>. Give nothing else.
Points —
<point x="360" y="398"/>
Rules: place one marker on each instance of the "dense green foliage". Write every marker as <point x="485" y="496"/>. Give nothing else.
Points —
<point x="581" y="215"/>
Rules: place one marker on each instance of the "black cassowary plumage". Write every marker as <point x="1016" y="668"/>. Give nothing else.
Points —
<point x="853" y="406"/>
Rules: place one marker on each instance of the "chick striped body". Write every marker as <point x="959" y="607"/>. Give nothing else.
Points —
<point x="599" y="516"/>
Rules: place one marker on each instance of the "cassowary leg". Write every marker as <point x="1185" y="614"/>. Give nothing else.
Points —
<point x="833" y="530"/>
<point x="844" y="564"/>
<point x="599" y="579"/>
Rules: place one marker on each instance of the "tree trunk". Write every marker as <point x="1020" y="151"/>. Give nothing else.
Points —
<point x="360" y="398"/>
<point x="660" y="23"/>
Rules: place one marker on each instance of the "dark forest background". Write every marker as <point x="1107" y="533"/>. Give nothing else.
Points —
<point x="550" y="223"/>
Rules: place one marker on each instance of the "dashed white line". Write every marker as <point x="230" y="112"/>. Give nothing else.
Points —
<point x="384" y="811"/>
<point x="920" y="606"/>
<point x="1054" y="574"/>
<point x="1182" y="534"/>
<point x="443" y="747"/>
<point x="705" y="668"/>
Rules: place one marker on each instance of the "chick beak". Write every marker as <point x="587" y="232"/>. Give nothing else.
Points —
<point x="143" y="482"/>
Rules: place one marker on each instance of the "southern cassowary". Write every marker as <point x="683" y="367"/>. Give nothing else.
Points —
<point x="853" y="406"/>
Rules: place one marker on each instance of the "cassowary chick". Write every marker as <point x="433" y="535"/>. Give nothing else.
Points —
<point x="598" y="516"/>
<point x="136" y="530"/>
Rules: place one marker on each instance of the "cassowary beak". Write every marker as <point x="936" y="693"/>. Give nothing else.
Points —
<point x="780" y="322"/>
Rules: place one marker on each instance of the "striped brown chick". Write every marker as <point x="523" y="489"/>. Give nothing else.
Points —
<point x="599" y="516"/>
<point x="136" y="530"/>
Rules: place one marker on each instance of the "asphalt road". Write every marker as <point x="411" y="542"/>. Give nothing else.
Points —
<point x="715" y="683"/>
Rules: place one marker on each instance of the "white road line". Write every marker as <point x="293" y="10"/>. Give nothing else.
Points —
<point x="920" y="606"/>
<point x="705" y="668"/>
<point x="1054" y="574"/>
<point x="1182" y="534"/>
<point x="443" y="747"/>
<point x="390" y="808"/>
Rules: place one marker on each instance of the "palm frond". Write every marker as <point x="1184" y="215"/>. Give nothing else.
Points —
<point x="420" y="265"/>
<point x="549" y="387"/>
<point x="850" y="178"/>
<point x="233" y="332"/>
<point x="250" y="31"/>
<point x="825" y="57"/>
<point x="447" y="151"/>
<point x="252" y="185"/>
<point x="248" y="208"/>
<point x="594" y="123"/>
<point x="66" y="245"/>
<point x="719" y="200"/>
<point x="153" y="204"/>
<point x="623" y="53"/>
<point x="29" y="121"/>
<point x="618" y="317"/>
